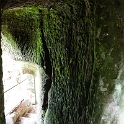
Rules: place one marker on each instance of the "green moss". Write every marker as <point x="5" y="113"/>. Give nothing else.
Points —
<point x="80" y="60"/>
<point x="68" y="37"/>
<point x="9" y="37"/>
<point x="23" y="24"/>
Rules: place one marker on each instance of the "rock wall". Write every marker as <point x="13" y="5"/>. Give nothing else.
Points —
<point x="68" y="30"/>
<point x="86" y="48"/>
<point x="109" y="60"/>
<point x="84" y="40"/>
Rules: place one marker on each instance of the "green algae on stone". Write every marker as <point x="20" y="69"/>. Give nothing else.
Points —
<point x="67" y="31"/>
<point x="23" y="25"/>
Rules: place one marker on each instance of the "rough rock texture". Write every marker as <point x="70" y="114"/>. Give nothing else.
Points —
<point x="109" y="61"/>
<point x="85" y="44"/>
<point x="70" y="39"/>
<point x="18" y="3"/>
<point x="87" y="66"/>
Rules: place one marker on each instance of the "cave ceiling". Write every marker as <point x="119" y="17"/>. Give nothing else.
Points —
<point x="9" y="4"/>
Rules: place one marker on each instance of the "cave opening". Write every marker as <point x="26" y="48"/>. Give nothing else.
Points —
<point x="22" y="87"/>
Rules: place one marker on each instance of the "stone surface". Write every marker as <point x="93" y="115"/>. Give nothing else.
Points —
<point x="88" y="72"/>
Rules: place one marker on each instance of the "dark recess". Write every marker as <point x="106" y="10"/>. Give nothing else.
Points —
<point x="48" y="67"/>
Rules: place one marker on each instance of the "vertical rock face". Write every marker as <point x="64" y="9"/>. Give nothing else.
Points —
<point x="109" y="59"/>
<point x="68" y="30"/>
<point x="87" y="84"/>
<point x="84" y="43"/>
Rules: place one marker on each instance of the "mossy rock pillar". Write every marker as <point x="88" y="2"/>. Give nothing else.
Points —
<point x="69" y="38"/>
<point x="87" y="66"/>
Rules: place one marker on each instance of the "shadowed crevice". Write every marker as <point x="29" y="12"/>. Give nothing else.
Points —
<point x="46" y="63"/>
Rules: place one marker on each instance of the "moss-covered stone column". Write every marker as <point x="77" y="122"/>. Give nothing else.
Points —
<point x="87" y="68"/>
<point x="68" y="30"/>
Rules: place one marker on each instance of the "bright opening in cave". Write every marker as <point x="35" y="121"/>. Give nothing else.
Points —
<point x="22" y="88"/>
